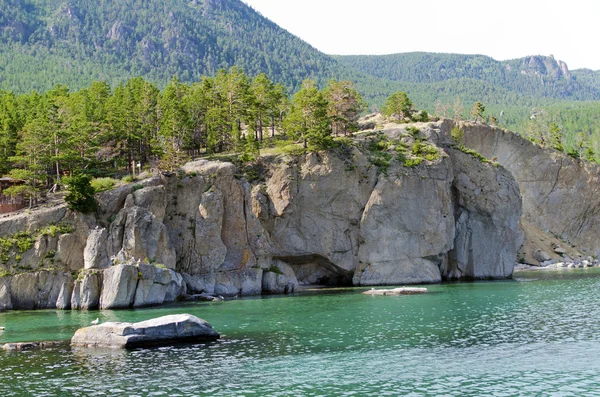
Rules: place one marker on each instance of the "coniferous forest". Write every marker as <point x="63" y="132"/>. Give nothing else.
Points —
<point x="89" y="86"/>
<point x="101" y="131"/>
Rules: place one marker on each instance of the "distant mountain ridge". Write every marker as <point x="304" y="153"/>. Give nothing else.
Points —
<point x="74" y="42"/>
<point x="537" y="76"/>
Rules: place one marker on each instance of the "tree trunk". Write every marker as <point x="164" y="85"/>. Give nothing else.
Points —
<point x="273" y="127"/>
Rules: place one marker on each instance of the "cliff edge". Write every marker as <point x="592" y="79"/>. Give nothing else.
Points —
<point x="398" y="206"/>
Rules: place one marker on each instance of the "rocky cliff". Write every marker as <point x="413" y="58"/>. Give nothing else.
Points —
<point x="321" y="218"/>
<point x="561" y="195"/>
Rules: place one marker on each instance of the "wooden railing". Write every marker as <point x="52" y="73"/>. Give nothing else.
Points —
<point x="8" y="204"/>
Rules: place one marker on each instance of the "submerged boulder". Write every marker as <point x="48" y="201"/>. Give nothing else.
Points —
<point x="159" y="331"/>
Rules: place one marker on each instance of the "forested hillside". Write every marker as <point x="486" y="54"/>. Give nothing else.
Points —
<point x="535" y="76"/>
<point x="75" y="42"/>
<point x="78" y="42"/>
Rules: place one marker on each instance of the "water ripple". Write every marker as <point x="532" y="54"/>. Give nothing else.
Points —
<point x="527" y="338"/>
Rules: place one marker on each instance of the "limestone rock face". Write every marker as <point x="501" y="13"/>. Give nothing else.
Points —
<point x="95" y="254"/>
<point x="5" y="299"/>
<point x="407" y="227"/>
<point x="160" y="331"/>
<point x="70" y="251"/>
<point x="314" y="210"/>
<point x="40" y="290"/>
<point x="209" y="247"/>
<point x="320" y="218"/>
<point x="487" y="207"/>
<point x="247" y="281"/>
<point x="561" y="195"/>
<point x="119" y="287"/>
<point x="281" y="281"/>
<point x="86" y="292"/>
<point x="156" y="286"/>
<point x="137" y="233"/>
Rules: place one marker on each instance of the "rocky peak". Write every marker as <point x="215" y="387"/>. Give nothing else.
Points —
<point x="543" y="66"/>
<point x="116" y="31"/>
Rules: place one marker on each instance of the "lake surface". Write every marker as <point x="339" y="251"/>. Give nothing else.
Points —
<point x="536" y="335"/>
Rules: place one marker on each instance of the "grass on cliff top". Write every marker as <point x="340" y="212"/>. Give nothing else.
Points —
<point x="410" y="149"/>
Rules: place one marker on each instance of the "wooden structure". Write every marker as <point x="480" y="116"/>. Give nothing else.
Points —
<point x="8" y="204"/>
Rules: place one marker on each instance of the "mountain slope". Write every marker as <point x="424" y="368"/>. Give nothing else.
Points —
<point x="535" y="76"/>
<point x="44" y="42"/>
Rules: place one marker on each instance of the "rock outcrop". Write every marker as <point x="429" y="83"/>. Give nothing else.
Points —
<point x="160" y="331"/>
<point x="561" y="195"/>
<point x="321" y="218"/>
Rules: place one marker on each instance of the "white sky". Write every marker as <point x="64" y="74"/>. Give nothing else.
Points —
<point x="501" y="29"/>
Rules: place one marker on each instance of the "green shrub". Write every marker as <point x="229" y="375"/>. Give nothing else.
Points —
<point x="381" y="160"/>
<point x="274" y="269"/>
<point x="103" y="184"/>
<point x="414" y="131"/>
<point x="413" y="162"/>
<point x="473" y="154"/>
<point x="81" y="194"/>
<point x="422" y="116"/>
<point x="457" y="134"/>
<point x="426" y="151"/>
<point x="53" y="230"/>
<point x="24" y="241"/>
<point x="128" y="179"/>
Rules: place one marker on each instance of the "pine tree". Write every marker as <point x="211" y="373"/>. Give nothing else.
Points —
<point x="345" y="106"/>
<point x="477" y="111"/>
<point x="398" y="107"/>
<point x="308" y="120"/>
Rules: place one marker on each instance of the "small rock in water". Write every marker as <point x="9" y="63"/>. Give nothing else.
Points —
<point x="396" y="291"/>
<point x="29" y="345"/>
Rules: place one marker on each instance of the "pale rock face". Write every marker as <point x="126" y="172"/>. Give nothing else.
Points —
<point x="319" y="218"/>
<point x="550" y="183"/>
<point x="5" y="299"/>
<point x="152" y="286"/>
<point x="118" y="287"/>
<point x="487" y="210"/>
<point x="86" y="292"/>
<point x="283" y="281"/>
<point x="156" y="286"/>
<point x="176" y="287"/>
<point x="112" y="201"/>
<point x="316" y="207"/>
<point x="209" y="247"/>
<point x="199" y="284"/>
<point x="138" y="234"/>
<point x="95" y="254"/>
<point x="239" y="282"/>
<point x="70" y="251"/>
<point x="407" y="227"/>
<point x="154" y="199"/>
<point x="26" y="222"/>
<point x="40" y="290"/>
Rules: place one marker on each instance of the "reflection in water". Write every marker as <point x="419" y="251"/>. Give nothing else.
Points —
<point x="531" y="337"/>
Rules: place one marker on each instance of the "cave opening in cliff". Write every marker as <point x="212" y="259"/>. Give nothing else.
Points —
<point x="317" y="270"/>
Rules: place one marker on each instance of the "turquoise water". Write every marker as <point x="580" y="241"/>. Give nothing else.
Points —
<point x="537" y="335"/>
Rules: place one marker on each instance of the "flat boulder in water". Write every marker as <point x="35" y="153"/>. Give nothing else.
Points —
<point x="156" y="332"/>
<point x="397" y="291"/>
